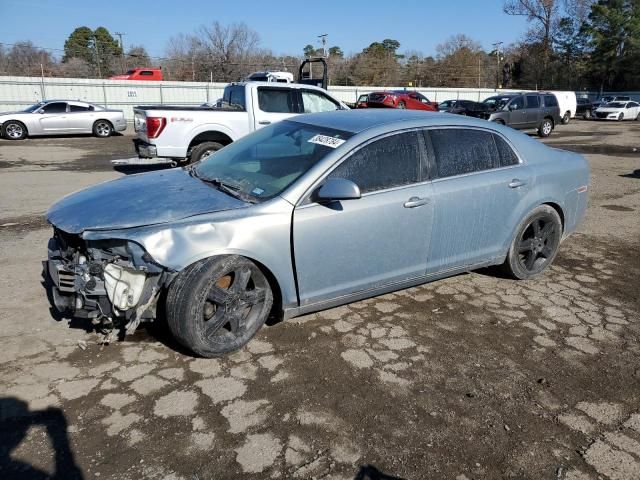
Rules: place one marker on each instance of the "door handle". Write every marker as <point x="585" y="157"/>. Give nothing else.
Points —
<point x="515" y="183"/>
<point x="414" y="202"/>
<point x="264" y="122"/>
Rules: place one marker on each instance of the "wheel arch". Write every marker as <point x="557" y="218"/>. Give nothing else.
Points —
<point x="210" y="136"/>
<point x="274" y="283"/>
<point x="557" y="208"/>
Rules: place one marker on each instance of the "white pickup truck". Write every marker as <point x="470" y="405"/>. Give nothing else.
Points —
<point x="178" y="135"/>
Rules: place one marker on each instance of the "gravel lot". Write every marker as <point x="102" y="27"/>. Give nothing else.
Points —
<point x="473" y="377"/>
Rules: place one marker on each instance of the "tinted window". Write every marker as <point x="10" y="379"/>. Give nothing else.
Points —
<point x="533" y="101"/>
<point x="317" y="102"/>
<point x="146" y="73"/>
<point x="57" y="107"/>
<point x="389" y="162"/>
<point x="275" y="100"/>
<point x="507" y="155"/>
<point x="550" y="101"/>
<point x="517" y="103"/>
<point x="79" y="108"/>
<point x="458" y="151"/>
<point x="233" y="97"/>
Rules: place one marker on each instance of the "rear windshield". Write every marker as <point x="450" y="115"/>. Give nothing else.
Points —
<point x="264" y="163"/>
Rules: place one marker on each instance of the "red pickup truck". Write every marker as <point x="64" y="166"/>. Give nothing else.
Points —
<point x="139" y="73"/>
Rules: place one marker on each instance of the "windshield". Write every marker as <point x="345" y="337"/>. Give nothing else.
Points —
<point x="497" y="102"/>
<point x="33" y="108"/>
<point x="616" y="105"/>
<point x="265" y="163"/>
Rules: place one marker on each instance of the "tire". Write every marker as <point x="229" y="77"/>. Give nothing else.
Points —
<point x="566" y="118"/>
<point x="102" y="128"/>
<point x="216" y="305"/>
<point x="545" y="128"/>
<point x="14" y="130"/>
<point x="402" y="105"/>
<point x="587" y="115"/>
<point x="499" y="122"/>
<point x="535" y="244"/>
<point x="621" y="117"/>
<point x="202" y="150"/>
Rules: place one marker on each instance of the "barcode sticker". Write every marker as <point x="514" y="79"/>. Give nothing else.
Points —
<point x="326" y="141"/>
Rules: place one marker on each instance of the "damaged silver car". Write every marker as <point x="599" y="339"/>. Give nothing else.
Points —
<point x="307" y="214"/>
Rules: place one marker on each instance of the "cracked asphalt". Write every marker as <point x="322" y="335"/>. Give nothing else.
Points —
<point x="472" y="377"/>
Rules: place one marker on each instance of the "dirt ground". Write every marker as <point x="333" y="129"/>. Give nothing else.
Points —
<point x="473" y="377"/>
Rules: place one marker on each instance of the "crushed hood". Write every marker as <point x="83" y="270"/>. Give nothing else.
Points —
<point x="139" y="200"/>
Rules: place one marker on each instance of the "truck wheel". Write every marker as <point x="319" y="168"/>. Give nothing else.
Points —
<point x="216" y="305"/>
<point x="566" y="118"/>
<point x="545" y="128"/>
<point x="535" y="244"/>
<point x="203" y="150"/>
<point x="102" y="128"/>
<point x="14" y="130"/>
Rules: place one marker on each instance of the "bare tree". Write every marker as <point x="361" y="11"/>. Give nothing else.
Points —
<point x="74" y="68"/>
<point x="24" y="59"/>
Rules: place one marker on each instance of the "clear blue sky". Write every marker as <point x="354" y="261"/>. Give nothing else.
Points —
<point x="284" y="26"/>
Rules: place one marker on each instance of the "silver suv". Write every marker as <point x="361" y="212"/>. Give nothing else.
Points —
<point x="538" y="111"/>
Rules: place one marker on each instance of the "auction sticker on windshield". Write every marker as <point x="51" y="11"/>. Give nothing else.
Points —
<point x="326" y="141"/>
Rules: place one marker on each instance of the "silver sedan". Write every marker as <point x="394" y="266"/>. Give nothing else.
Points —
<point x="310" y="213"/>
<point x="61" y="117"/>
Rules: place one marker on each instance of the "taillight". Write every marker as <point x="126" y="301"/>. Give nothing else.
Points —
<point x="155" y="125"/>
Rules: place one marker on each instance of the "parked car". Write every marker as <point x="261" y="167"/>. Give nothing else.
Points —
<point x="401" y="99"/>
<point x="584" y="107"/>
<point x="610" y="98"/>
<point x="61" y="117"/>
<point x="618" y="111"/>
<point x="446" y="105"/>
<point x="139" y="73"/>
<point x="179" y="135"/>
<point x="468" y="108"/>
<point x="526" y="111"/>
<point x="568" y="103"/>
<point x="307" y="214"/>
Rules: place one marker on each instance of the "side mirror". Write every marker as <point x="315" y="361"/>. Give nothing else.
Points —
<point x="41" y="111"/>
<point x="337" y="189"/>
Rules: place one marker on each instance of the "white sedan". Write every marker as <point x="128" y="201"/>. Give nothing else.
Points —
<point x="61" y="117"/>
<point x="618" y="111"/>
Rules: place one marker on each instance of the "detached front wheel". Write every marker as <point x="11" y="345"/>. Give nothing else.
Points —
<point x="216" y="305"/>
<point x="535" y="244"/>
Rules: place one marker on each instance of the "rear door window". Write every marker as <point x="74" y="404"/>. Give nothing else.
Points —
<point x="507" y="156"/>
<point x="550" y="101"/>
<point x="458" y="151"/>
<point x="533" y="101"/>
<point x="276" y="100"/>
<point x="79" y="108"/>
<point x="392" y="161"/>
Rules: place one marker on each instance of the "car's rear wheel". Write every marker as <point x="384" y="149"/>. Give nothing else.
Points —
<point x="545" y="128"/>
<point x="566" y="118"/>
<point x="14" y="130"/>
<point x="402" y="105"/>
<point x="216" y="305"/>
<point x="535" y="244"/>
<point x="102" y="128"/>
<point x="203" y="150"/>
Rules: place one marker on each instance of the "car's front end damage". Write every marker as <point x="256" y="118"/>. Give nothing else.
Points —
<point x="114" y="283"/>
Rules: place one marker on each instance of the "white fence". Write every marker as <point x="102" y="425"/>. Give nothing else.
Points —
<point x="19" y="92"/>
